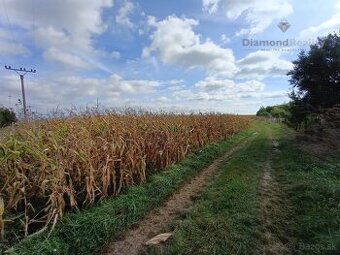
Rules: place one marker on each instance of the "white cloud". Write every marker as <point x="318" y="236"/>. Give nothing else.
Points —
<point x="141" y="31"/>
<point x="238" y="94"/>
<point x="250" y="86"/>
<point x="115" y="55"/>
<point x="176" y="82"/>
<point x="115" y="91"/>
<point x="173" y="85"/>
<point x="225" y="39"/>
<point x="151" y="21"/>
<point x="210" y="6"/>
<point x="77" y="20"/>
<point x="274" y="94"/>
<point x="175" y="42"/>
<point x="260" y="64"/>
<point x="211" y="84"/>
<point x="125" y="10"/>
<point x="48" y="93"/>
<point x="66" y="26"/>
<point x="64" y="58"/>
<point x="5" y="35"/>
<point x="258" y="14"/>
<point x="133" y="86"/>
<point x="212" y="89"/>
<point x="202" y="96"/>
<point x="105" y="86"/>
<point x="49" y="35"/>
<point x="329" y="26"/>
<point x="11" y="48"/>
<point x="163" y="99"/>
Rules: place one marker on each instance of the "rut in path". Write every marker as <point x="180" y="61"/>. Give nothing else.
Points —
<point x="271" y="205"/>
<point x="134" y="239"/>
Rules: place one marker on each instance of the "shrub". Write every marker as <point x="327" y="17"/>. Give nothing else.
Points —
<point x="7" y="117"/>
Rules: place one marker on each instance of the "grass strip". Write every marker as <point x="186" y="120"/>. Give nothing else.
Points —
<point x="225" y="220"/>
<point x="313" y="189"/>
<point x="85" y="232"/>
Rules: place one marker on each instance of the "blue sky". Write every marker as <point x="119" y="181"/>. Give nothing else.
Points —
<point x="178" y="56"/>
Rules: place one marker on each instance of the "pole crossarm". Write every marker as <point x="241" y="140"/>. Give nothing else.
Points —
<point x="22" y="72"/>
<point x="21" y="69"/>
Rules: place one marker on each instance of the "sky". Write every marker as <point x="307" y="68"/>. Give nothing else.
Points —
<point x="201" y="55"/>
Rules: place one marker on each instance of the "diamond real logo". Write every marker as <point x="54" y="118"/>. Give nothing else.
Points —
<point x="283" y="25"/>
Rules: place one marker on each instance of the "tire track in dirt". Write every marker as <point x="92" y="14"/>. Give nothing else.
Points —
<point x="271" y="205"/>
<point x="134" y="239"/>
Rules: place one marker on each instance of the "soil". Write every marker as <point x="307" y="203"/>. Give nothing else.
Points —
<point x="134" y="240"/>
<point x="271" y="205"/>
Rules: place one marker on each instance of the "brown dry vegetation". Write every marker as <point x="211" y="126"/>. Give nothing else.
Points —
<point x="52" y="166"/>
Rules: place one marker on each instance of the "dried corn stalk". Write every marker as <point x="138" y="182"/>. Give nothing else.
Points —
<point x="51" y="166"/>
<point x="2" y="224"/>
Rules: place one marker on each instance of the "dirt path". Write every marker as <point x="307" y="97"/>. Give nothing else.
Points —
<point x="134" y="239"/>
<point x="271" y="205"/>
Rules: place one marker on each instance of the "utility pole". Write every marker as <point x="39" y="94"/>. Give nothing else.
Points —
<point x="97" y="104"/>
<point x="22" y="72"/>
<point x="10" y="102"/>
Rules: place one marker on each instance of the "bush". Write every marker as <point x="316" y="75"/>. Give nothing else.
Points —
<point x="7" y="117"/>
<point x="277" y="111"/>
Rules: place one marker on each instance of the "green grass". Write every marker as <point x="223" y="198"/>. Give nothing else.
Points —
<point x="226" y="219"/>
<point x="85" y="232"/>
<point x="313" y="188"/>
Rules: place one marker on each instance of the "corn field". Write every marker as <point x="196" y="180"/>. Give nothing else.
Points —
<point x="57" y="165"/>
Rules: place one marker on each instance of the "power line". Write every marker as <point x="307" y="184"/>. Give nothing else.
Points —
<point x="33" y="23"/>
<point x="10" y="102"/>
<point x="9" y="23"/>
<point x="22" y="72"/>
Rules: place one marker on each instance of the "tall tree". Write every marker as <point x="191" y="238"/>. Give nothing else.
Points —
<point x="316" y="75"/>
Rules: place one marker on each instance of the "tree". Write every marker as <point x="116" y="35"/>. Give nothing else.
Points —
<point x="7" y="117"/>
<point x="263" y="111"/>
<point x="316" y="76"/>
<point x="281" y="111"/>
